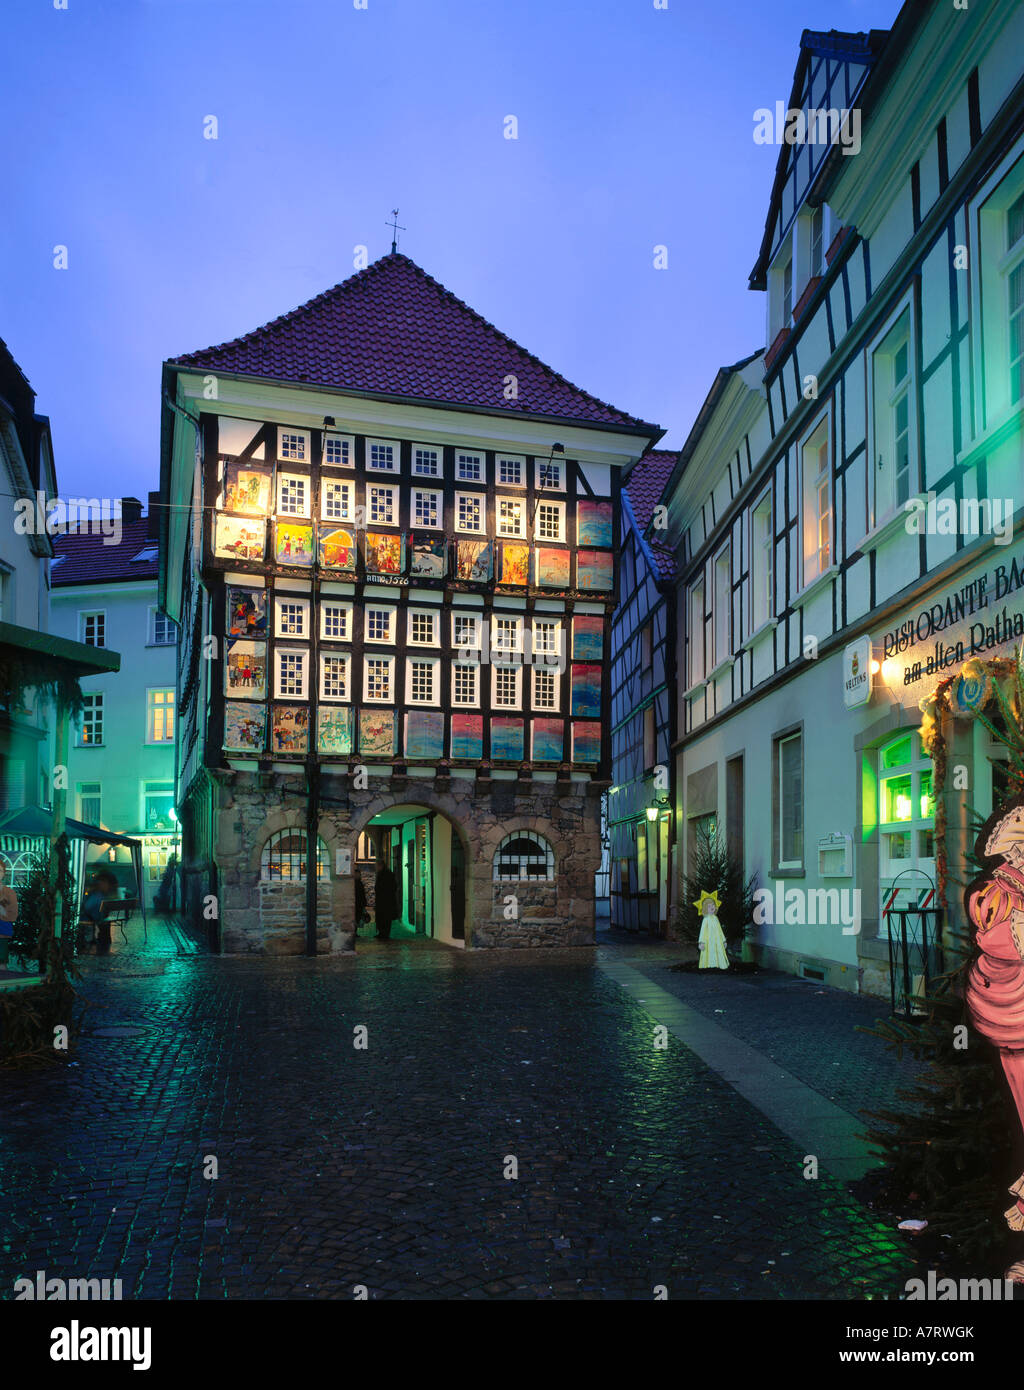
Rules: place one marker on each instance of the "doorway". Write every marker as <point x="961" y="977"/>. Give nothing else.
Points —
<point x="423" y="850"/>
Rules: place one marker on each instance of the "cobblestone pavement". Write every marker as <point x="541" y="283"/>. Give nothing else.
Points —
<point x="385" y="1167"/>
<point x="808" y="1028"/>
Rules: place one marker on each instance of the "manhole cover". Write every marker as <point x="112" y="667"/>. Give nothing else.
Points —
<point x="118" y="1031"/>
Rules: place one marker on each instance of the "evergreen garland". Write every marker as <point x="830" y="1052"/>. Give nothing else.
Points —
<point x="952" y="1151"/>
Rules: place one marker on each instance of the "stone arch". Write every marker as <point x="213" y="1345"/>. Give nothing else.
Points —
<point x="459" y="819"/>
<point x="288" y="820"/>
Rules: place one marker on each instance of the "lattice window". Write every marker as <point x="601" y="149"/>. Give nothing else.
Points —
<point x="284" y="858"/>
<point x="524" y="855"/>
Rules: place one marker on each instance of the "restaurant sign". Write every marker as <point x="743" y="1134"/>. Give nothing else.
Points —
<point x="982" y="614"/>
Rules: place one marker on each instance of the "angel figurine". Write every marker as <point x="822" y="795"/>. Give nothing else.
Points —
<point x="995" y="989"/>
<point x="712" y="938"/>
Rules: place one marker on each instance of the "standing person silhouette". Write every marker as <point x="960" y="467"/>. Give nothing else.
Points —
<point x="385" y="895"/>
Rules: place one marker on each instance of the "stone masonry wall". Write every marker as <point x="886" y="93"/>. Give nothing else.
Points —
<point x="257" y="917"/>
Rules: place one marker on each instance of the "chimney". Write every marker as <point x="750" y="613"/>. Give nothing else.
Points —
<point x="153" y="517"/>
<point x="131" y="509"/>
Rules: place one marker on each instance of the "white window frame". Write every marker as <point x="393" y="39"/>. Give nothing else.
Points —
<point x="392" y="611"/>
<point x="885" y="505"/>
<point x="539" y="620"/>
<point x="283" y="453"/>
<point x="814" y="480"/>
<point x="434" y="663"/>
<point x="497" y="649"/>
<point x="517" y="674"/>
<point x="463" y="666"/>
<point x="151" y="709"/>
<point x="545" y="674"/>
<point x="779" y="740"/>
<point x="478" y="499"/>
<point x="81" y="797"/>
<point x="154" y="617"/>
<point x="435" y="620"/>
<point x="394" y="467"/>
<point x="560" y="513"/>
<point x="762" y="553"/>
<point x="327" y="604"/>
<point x="520" y="464"/>
<point x="94" y="704"/>
<point x="438" y="497"/>
<point x="283" y="650"/>
<point x="303" y="605"/>
<point x="83" y="617"/>
<point x="477" y="619"/>
<point x="389" y="662"/>
<point x="346" y="659"/>
<point x="556" y="482"/>
<point x="721" y="612"/>
<point x="154" y="789"/>
<point x="348" y="448"/>
<point x="347" y="488"/>
<point x="394" y="500"/>
<point x="993" y="262"/>
<point x="697" y="631"/>
<point x="285" y="480"/>
<point x="464" y="457"/>
<point x="519" y="503"/>
<point x="434" y="449"/>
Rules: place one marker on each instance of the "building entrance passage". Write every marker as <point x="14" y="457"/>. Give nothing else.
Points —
<point x="422" y="849"/>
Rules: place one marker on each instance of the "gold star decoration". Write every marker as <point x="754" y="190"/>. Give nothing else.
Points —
<point x="705" y="898"/>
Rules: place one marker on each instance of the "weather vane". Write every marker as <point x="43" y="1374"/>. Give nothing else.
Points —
<point x="395" y="229"/>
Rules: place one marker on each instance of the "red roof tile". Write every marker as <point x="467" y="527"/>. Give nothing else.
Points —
<point x="392" y="330"/>
<point x="86" y="559"/>
<point x="647" y="479"/>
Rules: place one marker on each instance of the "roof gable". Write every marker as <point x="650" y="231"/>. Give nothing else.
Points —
<point x="830" y="71"/>
<point x="392" y="330"/>
<point x="647" y="479"/>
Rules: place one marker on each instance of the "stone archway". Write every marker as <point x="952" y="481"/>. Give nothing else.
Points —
<point x="453" y="852"/>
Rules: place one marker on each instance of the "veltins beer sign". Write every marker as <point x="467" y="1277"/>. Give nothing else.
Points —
<point x="857" y="673"/>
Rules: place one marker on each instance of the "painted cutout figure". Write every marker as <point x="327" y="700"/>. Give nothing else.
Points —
<point x="712" y="938"/>
<point x="995" y="990"/>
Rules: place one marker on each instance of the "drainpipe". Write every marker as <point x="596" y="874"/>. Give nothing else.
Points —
<point x="312" y="826"/>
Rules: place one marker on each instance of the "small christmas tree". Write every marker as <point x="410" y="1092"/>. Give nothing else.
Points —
<point x="715" y="868"/>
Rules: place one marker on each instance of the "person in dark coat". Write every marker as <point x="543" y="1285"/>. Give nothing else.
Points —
<point x="360" y="901"/>
<point x="385" y="891"/>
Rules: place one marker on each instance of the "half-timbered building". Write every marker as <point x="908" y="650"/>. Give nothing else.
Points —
<point x="846" y="508"/>
<point x="643" y="707"/>
<point x="391" y="546"/>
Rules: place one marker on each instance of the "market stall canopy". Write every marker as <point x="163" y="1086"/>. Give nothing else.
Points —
<point x="68" y="658"/>
<point x="34" y="820"/>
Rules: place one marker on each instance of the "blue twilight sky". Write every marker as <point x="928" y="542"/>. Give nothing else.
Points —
<point x="635" y="129"/>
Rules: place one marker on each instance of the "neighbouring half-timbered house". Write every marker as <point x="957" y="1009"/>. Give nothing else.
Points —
<point x="391" y="541"/>
<point x="643" y="700"/>
<point x="851" y="580"/>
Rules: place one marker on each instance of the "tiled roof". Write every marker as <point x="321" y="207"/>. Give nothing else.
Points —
<point x="646" y="483"/>
<point x="392" y="330"/>
<point x="87" y="560"/>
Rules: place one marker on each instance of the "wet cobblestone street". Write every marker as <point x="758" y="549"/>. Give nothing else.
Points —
<point x="385" y="1167"/>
